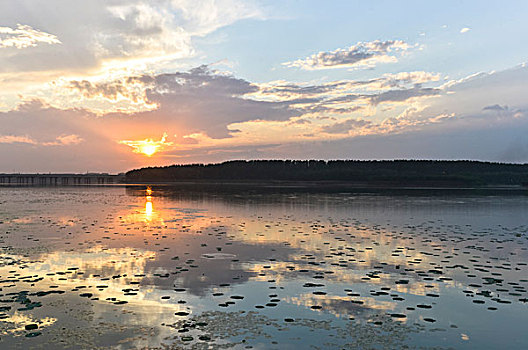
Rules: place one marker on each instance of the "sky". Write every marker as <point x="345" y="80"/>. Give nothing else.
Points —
<point x="113" y="85"/>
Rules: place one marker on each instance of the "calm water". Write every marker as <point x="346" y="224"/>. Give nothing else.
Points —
<point x="117" y="267"/>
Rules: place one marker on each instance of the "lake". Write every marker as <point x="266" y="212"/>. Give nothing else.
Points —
<point x="215" y="267"/>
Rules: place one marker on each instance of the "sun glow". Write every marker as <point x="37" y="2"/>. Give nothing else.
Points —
<point x="148" y="149"/>
<point x="148" y="146"/>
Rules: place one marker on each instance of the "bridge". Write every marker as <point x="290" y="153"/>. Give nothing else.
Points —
<point x="60" y="179"/>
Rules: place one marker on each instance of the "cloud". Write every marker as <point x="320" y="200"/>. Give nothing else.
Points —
<point x="65" y="140"/>
<point x="348" y="97"/>
<point x="24" y="36"/>
<point x="465" y="30"/>
<point x="112" y="91"/>
<point x="200" y="100"/>
<point x="16" y="139"/>
<point x="361" y="55"/>
<point x="123" y="95"/>
<point x="301" y="93"/>
<point x="101" y="34"/>
<point x="143" y="30"/>
<point x="203" y="17"/>
<point x="495" y="108"/>
<point x="62" y="140"/>
<point x="403" y="95"/>
<point x="403" y="78"/>
<point x="102" y="39"/>
<point x="346" y="126"/>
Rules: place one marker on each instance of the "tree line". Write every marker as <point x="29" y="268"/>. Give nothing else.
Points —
<point x="396" y="172"/>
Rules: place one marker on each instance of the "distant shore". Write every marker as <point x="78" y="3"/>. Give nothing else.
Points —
<point x="381" y="174"/>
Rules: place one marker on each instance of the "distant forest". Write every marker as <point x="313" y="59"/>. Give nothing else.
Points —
<point x="368" y="173"/>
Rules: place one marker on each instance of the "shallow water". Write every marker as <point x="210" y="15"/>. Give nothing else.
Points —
<point x="128" y="267"/>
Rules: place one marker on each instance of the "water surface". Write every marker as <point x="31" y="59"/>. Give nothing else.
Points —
<point x="191" y="267"/>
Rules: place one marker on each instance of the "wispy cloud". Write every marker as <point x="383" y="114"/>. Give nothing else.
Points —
<point x="24" y="36"/>
<point x="361" y="55"/>
<point x="289" y="91"/>
<point x="65" y="140"/>
<point x="16" y="139"/>
<point x="62" y="140"/>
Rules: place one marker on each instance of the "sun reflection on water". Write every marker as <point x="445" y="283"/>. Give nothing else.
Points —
<point x="149" y="210"/>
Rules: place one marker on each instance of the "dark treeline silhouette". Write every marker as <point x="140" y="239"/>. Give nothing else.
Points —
<point x="384" y="173"/>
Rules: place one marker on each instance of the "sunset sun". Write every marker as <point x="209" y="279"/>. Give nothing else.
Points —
<point x="148" y="146"/>
<point x="148" y="149"/>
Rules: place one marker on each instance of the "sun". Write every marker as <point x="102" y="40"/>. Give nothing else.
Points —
<point x="148" y="149"/>
<point x="149" y="146"/>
